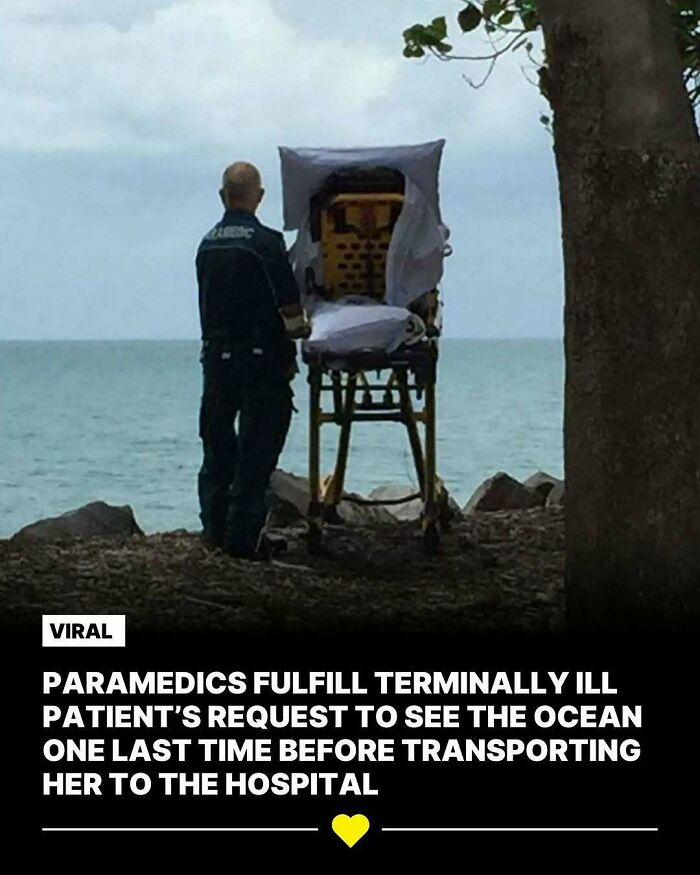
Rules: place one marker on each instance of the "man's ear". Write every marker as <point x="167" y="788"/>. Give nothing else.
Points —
<point x="222" y="196"/>
<point x="262" y="194"/>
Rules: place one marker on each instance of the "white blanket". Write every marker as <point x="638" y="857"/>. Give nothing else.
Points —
<point x="418" y="242"/>
<point x="359" y="324"/>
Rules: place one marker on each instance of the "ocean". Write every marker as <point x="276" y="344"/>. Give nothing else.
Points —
<point x="117" y="421"/>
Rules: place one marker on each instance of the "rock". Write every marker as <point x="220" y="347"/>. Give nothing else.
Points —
<point x="288" y="495"/>
<point x="391" y="491"/>
<point x="410" y="510"/>
<point x="466" y="543"/>
<point x="542" y="483"/>
<point x="556" y="497"/>
<point x="358" y="514"/>
<point x="502" y="492"/>
<point x="94" y="519"/>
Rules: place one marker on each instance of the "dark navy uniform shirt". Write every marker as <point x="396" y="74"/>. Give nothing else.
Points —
<point x="244" y="277"/>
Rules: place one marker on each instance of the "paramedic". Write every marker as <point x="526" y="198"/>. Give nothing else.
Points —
<point x="250" y="311"/>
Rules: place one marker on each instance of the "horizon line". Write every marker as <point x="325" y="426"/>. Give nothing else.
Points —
<point x="197" y="339"/>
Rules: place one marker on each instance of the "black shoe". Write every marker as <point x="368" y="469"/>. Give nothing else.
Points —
<point x="248" y="555"/>
<point x="212" y="541"/>
<point x="271" y="546"/>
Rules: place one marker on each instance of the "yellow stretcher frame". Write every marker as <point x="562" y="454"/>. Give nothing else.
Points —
<point x="355" y="231"/>
<point x="354" y="256"/>
<point x="396" y="405"/>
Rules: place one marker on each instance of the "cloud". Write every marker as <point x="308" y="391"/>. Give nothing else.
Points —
<point x="79" y="10"/>
<point x="157" y="76"/>
<point x="190" y="73"/>
<point x="119" y="116"/>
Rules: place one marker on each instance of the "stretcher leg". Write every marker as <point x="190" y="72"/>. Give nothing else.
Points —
<point x="315" y="513"/>
<point x="411" y="428"/>
<point x="334" y="489"/>
<point x="431" y="514"/>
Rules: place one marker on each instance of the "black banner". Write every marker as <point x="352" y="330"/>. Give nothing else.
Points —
<point x="257" y="742"/>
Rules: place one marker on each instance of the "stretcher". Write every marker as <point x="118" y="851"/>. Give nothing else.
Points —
<point x="354" y="213"/>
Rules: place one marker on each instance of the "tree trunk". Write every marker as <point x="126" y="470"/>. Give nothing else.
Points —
<point x="628" y="160"/>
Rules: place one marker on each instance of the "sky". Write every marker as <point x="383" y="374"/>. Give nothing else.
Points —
<point x="118" y="117"/>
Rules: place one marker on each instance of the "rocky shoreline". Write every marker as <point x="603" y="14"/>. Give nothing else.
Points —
<point x="498" y="569"/>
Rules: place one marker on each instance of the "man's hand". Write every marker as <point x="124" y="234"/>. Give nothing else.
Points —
<point x="295" y="322"/>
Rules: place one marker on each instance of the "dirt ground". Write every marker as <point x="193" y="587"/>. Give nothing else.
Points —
<point x="496" y="571"/>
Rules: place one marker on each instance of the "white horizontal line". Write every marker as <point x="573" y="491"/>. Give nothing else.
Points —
<point x="383" y="829"/>
<point x="520" y="829"/>
<point x="179" y="829"/>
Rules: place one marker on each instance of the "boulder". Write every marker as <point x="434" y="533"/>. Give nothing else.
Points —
<point x="502" y="492"/>
<point x="410" y="510"/>
<point x="556" y="497"/>
<point x="542" y="483"/>
<point x="288" y="496"/>
<point x="358" y="514"/>
<point x="95" y="519"/>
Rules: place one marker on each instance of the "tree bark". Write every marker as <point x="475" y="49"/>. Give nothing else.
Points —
<point x="628" y="161"/>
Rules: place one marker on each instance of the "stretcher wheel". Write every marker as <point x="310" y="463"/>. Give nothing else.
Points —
<point x="331" y="515"/>
<point x="431" y="539"/>
<point x="314" y="540"/>
<point x="445" y="512"/>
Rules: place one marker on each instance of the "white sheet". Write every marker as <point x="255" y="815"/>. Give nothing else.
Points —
<point x="359" y="324"/>
<point x="418" y="243"/>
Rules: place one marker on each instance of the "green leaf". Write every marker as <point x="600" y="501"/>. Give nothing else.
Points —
<point x="529" y="19"/>
<point x="469" y="18"/>
<point x="415" y="38"/>
<point x="439" y="27"/>
<point x="493" y="7"/>
<point x="526" y="7"/>
<point x="506" y="18"/>
<point x="420" y="37"/>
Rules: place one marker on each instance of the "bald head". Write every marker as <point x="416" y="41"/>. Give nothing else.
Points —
<point x="241" y="187"/>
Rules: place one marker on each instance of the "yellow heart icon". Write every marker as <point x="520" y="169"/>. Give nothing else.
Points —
<point x="350" y="829"/>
